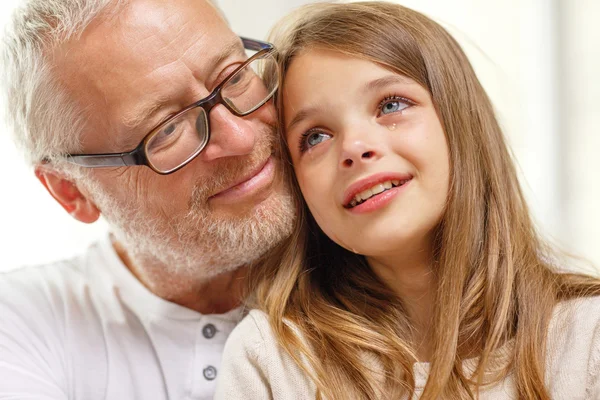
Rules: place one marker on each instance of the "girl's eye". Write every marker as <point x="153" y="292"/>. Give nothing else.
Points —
<point x="312" y="138"/>
<point x="393" y="104"/>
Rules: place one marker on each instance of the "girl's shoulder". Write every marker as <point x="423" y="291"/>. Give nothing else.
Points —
<point x="578" y="316"/>
<point x="255" y="330"/>
<point x="575" y="325"/>
<point x="252" y="337"/>
<point x="253" y="358"/>
<point x="573" y="349"/>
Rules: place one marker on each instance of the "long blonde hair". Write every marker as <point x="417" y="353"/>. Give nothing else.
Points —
<point x="497" y="282"/>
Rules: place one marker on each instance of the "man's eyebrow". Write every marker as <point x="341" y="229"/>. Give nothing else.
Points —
<point x="144" y="112"/>
<point x="228" y="50"/>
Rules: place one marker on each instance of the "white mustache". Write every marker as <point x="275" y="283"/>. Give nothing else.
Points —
<point x="231" y="170"/>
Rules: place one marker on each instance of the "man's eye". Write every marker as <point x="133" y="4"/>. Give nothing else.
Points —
<point x="239" y="77"/>
<point x="168" y="129"/>
<point x="226" y="74"/>
<point x="312" y="138"/>
<point x="167" y="135"/>
<point x="393" y="104"/>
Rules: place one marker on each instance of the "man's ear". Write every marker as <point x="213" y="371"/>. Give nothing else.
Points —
<point x="67" y="194"/>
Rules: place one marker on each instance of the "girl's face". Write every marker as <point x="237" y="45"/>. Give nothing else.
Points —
<point x="369" y="152"/>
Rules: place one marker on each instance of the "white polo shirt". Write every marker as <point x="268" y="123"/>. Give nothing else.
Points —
<point x="88" y="329"/>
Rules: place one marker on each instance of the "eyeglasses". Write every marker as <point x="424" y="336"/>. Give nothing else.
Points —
<point x="178" y="140"/>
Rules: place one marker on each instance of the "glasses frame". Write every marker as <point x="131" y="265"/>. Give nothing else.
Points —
<point x="138" y="156"/>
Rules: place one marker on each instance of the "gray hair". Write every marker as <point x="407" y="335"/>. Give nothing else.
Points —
<point x="45" y="122"/>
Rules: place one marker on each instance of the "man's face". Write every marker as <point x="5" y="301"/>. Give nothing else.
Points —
<point x="129" y="72"/>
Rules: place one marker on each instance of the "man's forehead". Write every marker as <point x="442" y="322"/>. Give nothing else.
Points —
<point x="148" y="48"/>
<point x="147" y="30"/>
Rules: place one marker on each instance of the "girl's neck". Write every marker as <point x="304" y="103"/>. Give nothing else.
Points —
<point x="413" y="280"/>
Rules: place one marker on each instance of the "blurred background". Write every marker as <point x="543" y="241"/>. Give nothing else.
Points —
<point x="538" y="60"/>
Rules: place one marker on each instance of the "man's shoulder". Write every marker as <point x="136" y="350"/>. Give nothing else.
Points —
<point x="57" y="328"/>
<point x="53" y="292"/>
<point x="52" y="279"/>
<point x="33" y="278"/>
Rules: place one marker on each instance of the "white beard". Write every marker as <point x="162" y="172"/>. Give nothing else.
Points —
<point x="198" y="244"/>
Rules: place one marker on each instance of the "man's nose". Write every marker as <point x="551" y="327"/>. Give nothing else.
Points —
<point x="230" y="135"/>
<point x="357" y="149"/>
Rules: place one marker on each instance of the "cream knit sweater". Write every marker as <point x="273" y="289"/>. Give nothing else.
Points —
<point x="255" y="367"/>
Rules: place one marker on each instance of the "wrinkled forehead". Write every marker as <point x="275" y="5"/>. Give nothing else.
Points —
<point x="148" y="50"/>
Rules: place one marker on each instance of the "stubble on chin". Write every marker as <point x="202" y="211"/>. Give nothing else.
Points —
<point x="200" y="243"/>
<point x="230" y="241"/>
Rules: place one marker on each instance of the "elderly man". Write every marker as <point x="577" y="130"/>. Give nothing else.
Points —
<point x="155" y="115"/>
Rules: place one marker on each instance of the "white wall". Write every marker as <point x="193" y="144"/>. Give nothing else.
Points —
<point x="580" y="108"/>
<point x="537" y="59"/>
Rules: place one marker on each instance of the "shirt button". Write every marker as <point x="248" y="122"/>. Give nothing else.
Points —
<point x="210" y="373"/>
<point x="209" y="331"/>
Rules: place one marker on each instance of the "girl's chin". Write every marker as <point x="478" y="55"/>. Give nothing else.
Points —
<point x="385" y="246"/>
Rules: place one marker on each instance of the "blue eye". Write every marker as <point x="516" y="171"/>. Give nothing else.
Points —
<point x="316" y="138"/>
<point x="393" y="104"/>
<point x="312" y="138"/>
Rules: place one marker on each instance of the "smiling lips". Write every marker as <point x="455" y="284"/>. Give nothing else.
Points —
<point x="370" y="187"/>
<point x="256" y="181"/>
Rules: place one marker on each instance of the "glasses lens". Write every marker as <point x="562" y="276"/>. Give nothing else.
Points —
<point x="178" y="140"/>
<point x="253" y="85"/>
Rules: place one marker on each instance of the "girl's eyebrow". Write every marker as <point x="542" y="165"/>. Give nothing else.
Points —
<point x="302" y="115"/>
<point x="381" y="83"/>
<point x="374" y="85"/>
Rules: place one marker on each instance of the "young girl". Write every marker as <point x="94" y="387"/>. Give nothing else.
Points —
<point x="415" y="270"/>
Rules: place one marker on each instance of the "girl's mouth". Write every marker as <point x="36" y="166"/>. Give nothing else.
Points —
<point x="373" y="191"/>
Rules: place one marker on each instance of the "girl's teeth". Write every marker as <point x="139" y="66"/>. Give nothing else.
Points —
<point x="377" y="189"/>
<point x="366" y="194"/>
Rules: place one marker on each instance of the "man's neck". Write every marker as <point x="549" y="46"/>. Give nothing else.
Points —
<point x="216" y="295"/>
